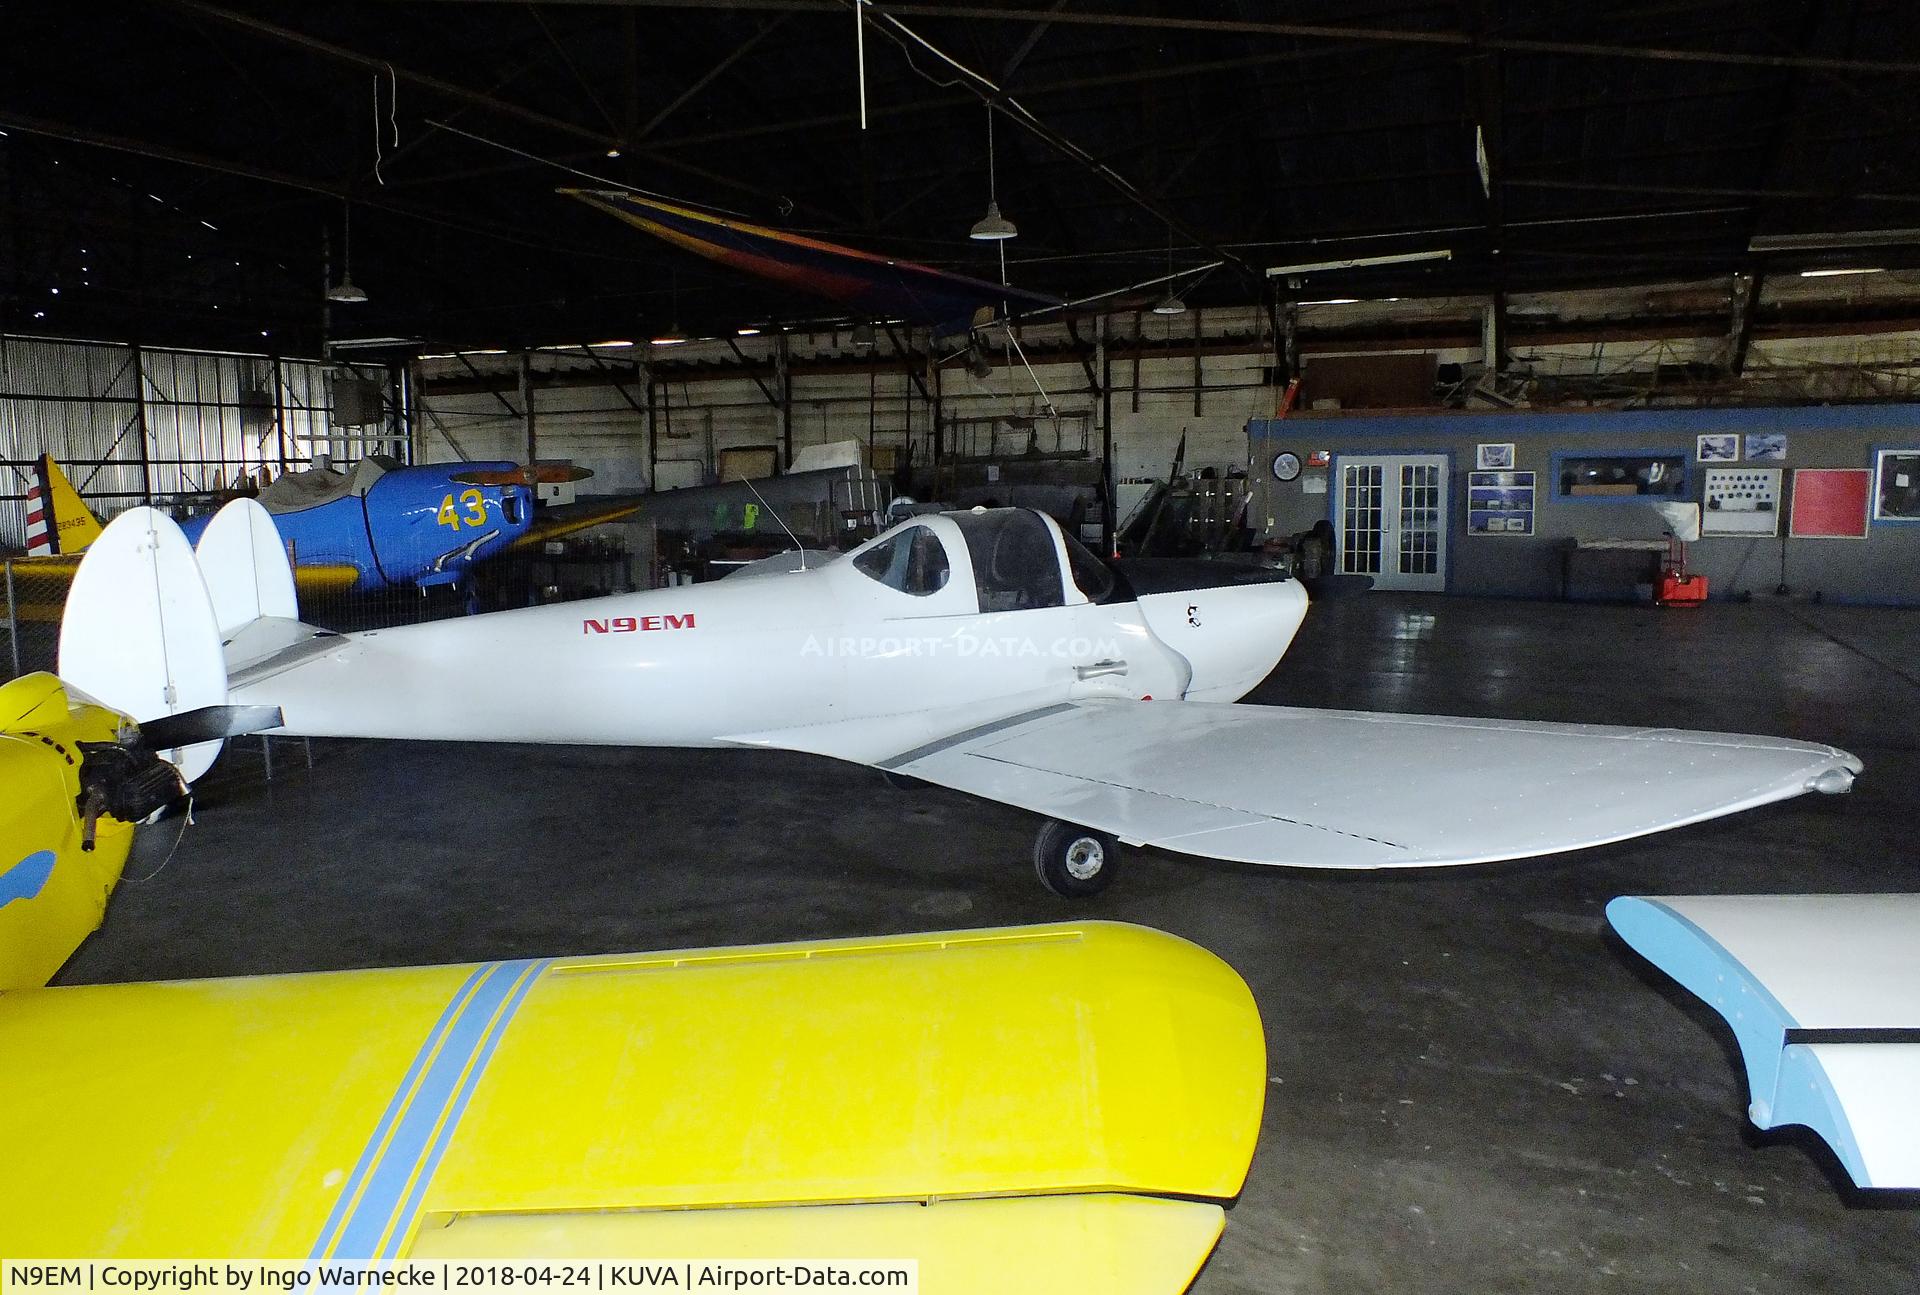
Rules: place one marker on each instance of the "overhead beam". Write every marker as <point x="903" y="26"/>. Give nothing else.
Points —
<point x="372" y="63"/>
<point x="685" y="96"/>
<point x="994" y="96"/>
<point x="1413" y="36"/>
<point x="72" y="134"/>
<point x="746" y="367"/>
<point x="573" y="68"/>
<point x="1712" y="191"/>
<point x="447" y="89"/>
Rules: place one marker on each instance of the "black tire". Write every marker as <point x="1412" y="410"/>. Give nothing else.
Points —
<point x="1074" y="862"/>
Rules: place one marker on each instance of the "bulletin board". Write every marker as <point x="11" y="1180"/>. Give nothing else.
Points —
<point x="1830" y="503"/>
<point x="1500" y="503"/>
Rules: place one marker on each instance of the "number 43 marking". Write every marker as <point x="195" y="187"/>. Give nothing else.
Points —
<point x="472" y="501"/>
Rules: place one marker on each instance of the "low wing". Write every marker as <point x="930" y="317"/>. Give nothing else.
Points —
<point x="1823" y="995"/>
<point x="556" y="521"/>
<point x="1072" y="1103"/>
<point x="41" y="584"/>
<point x="1351" y="789"/>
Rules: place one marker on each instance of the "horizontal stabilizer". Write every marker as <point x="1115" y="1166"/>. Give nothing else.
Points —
<point x="1352" y="789"/>
<point x="1823" y="995"/>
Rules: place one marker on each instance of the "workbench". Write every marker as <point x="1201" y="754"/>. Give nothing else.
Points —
<point x="1569" y="549"/>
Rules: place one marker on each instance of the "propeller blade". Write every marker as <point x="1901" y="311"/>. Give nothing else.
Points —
<point x="546" y="474"/>
<point x="208" y="724"/>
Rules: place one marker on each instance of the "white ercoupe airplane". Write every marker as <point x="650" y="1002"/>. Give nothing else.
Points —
<point x="985" y="651"/>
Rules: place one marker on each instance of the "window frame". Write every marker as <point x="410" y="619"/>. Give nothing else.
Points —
<point x="1686" y="493"/>
<point x="888" y="543"/>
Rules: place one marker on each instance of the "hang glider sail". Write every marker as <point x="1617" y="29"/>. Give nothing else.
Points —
<point x="875" y="286"/>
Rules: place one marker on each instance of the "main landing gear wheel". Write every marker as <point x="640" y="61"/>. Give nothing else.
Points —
<point x="1074" y="862"/>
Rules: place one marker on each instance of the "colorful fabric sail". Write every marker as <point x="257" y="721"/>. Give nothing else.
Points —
<point x="875" y="286"/>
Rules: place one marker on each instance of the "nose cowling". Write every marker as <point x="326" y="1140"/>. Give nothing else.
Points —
<point x="1231" y="622"/>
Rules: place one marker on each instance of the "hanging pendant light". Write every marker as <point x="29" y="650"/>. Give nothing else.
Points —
<point x="992" y="227"/>
<point x="346" y="292"/>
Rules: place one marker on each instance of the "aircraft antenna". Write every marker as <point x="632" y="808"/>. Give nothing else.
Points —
<point x="778" y="518"/>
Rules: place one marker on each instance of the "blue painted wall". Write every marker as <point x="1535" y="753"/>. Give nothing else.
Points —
<point x="1883" y="568"/>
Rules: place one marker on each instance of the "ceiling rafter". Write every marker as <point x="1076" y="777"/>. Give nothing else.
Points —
<point x="1435" y="38"/>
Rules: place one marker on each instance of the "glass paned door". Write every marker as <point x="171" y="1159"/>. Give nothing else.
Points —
<point x="1392" y="521"/>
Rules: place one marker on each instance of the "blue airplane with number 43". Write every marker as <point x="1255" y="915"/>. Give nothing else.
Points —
<point x="383" y="525"/>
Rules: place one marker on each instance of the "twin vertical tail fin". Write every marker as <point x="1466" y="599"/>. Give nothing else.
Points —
<point x="57" y="522"/>
<point x="148" y="621"/>
<point x="246" y="568"/>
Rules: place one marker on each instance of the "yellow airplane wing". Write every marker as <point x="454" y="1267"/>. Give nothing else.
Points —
<point x="1045" y="1108"/>
<point x="40" y="584"/>
<point x="569" y="519"/>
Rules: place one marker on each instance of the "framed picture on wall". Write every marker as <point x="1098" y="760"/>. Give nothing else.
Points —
<point x="1717" y="447"/>
<point x="1897" y="476"/>
<point x="1766" y="447"/>
<point x="1500" y="503"/>
<point x="1493" y="458"/>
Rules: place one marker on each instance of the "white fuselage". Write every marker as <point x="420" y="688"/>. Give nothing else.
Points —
<point x="731" y="661"/>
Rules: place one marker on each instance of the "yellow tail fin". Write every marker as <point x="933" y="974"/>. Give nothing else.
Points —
<point x="73" y="524"/>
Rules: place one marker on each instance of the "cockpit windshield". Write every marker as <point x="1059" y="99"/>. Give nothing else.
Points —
<point x="1015" y="567"/>
<point x="1095" y="578"/>
<point x="913" y="561"/>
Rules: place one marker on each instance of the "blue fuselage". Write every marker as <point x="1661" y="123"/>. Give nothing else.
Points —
<point x="414" y="526"/>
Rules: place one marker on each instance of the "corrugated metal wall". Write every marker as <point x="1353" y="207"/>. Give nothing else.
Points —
<point x="131" y="425"/>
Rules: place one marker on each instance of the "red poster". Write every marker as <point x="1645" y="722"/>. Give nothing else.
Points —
<point x="1830" y="503"/>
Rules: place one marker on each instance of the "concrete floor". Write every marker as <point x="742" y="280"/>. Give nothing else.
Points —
<point x="1473" y="1087"/>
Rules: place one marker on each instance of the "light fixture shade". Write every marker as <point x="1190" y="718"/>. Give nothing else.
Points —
<point x="346" y="291"/>
<point x="993" y="227"/>
<point x="1170" y="305"/>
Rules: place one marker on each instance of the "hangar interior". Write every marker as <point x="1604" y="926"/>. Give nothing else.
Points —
<point x="1568" y="353"/>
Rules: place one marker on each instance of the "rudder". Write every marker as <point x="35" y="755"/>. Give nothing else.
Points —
<point x="245" y="567"/>
<point x="139" y="632"/>
<point x="57" y="520"/>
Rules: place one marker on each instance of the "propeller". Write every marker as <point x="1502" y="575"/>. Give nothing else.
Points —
<point x="546" y="474"/>
<point x="208" y="724"/>
<point x="131" y="781"/>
